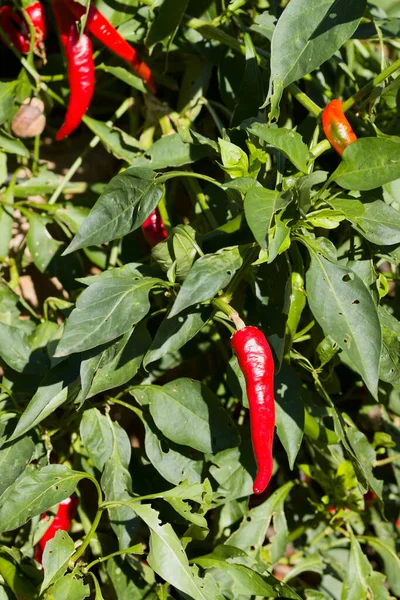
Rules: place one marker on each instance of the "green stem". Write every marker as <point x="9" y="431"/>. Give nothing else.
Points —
<point x="171" y="174"/>
<point x="370" y="86"/>
<point x="247" y="262"/>
<point x="320" y="148"/>
<point x="121" y="110"/>
<point x="36" y="154"/>
<point x="134" y="409"/>
<point x="303" y="99"/>
<point x="210" y="32"/>
<point x="95" y="523"/>
<point x="317" y="432"/>
<point x="131" y="550"/>
<point x="387" y="461"/>
<point x="193" y="188"/>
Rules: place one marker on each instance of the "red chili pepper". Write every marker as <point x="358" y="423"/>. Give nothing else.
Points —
<point x="256" y="362"/>
<point x="101" y="28"/>
<point x="336" y="127"/>
<point x="11" y="23"/>
<point x="38" y="18"/>
<point x="62" y="520"/>
<point x="153" y="228"/>
<point x="78" y="52"/>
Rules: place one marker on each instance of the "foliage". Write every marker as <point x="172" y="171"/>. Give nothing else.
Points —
<point x="118" y="381"/>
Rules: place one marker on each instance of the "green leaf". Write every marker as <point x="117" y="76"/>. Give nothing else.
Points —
<point x="14" y="347"/>
<point x="251" y="533"/>
<point x="104" y="311"/>
<point x="178" y="250"/>
<point x="116" y="141"/>
<point x="97" y="436"/>
<point x="386" y="548"/>
<point x="175" y="332"/>
<point x="235" y="161"/>
<point x="368" y="163"/>
<point x="209" y="274"/>
<point x="124" y="205"/>
<point x="14" y="458"/>
<point x="311" y="563"/>
<point x="247" y="581"/>
<point x="188" y="413"/>
<point x="57" y="387"/>
<point x="131" y="581"/>
<point x="380" y="223"/>
<point x="250" y="95"/>
<point x="69" y="588"/>
<point x="168" y="559"/>
<point x="166" y="22"/>
<point x="290" y="143"/>
<point x="12" y="145"/>
<point x="116" y="483"/>
<point x="345" y="310"/>
<point x="6" y="220"/>
<point x="174" y="463"/>
<point x="34" y="492"/>
<point x="7" y="90"/>
<point x="308" y="33"/>
<point x="170" y="151"/>
<point x="260" y="206"/>
<point x="355" y="586"/>
<point x="124" y="75"/>
<point x="366" y="457"/>
<point x="119" y="363"/>
<point x="41" y="245"/>
<point x="326" y="218"/>
<point x="389" y="365"/>
<point x="272" y="287"/>
<point x="231" y="469"/>
<point x="289" y="408"/>
<point x="56" y="555"/>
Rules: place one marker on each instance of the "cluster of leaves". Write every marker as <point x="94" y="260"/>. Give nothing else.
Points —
<point x="118" y="382"/>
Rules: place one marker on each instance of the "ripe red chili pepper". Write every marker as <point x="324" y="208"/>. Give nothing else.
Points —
<point x="62" y="520"/>
<point x="336" y="127"/>
<point x="17" y="29"/>
<point x="38" y="18"/>
<point x="78" y="52"/>
<point x="100" y="27"/>
<point x="11" y="23"/>
<point x="153" y="228"/>
<point x="256" y="362"/>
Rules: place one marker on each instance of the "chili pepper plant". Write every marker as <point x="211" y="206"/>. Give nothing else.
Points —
<point x="199" y="299"/>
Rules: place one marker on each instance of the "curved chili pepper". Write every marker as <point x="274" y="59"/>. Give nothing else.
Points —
<point x="11" y="23"/>
<point x="102" y="29"/>
<point x="62" y="520"/>
<point x="336" y="127"/>
<point x="255" y="360"/>
<point x="153" y="228"/>
<point x="78" y="52"/>
<point x="39" y="21"/>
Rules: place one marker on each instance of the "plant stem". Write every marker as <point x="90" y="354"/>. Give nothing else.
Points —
<point x="370" y="86"/>
<point x="95" y="523"/>
<point x="194" y="189"/>
<point x="36" y="154"/>
<point x="126" y="105"/>
<point x="386" y="461"/>
<point x="130" y="550"/>
<point x="211" y="32"/>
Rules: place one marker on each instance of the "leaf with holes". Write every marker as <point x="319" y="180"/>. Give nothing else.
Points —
<point x="345" y="310"/>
